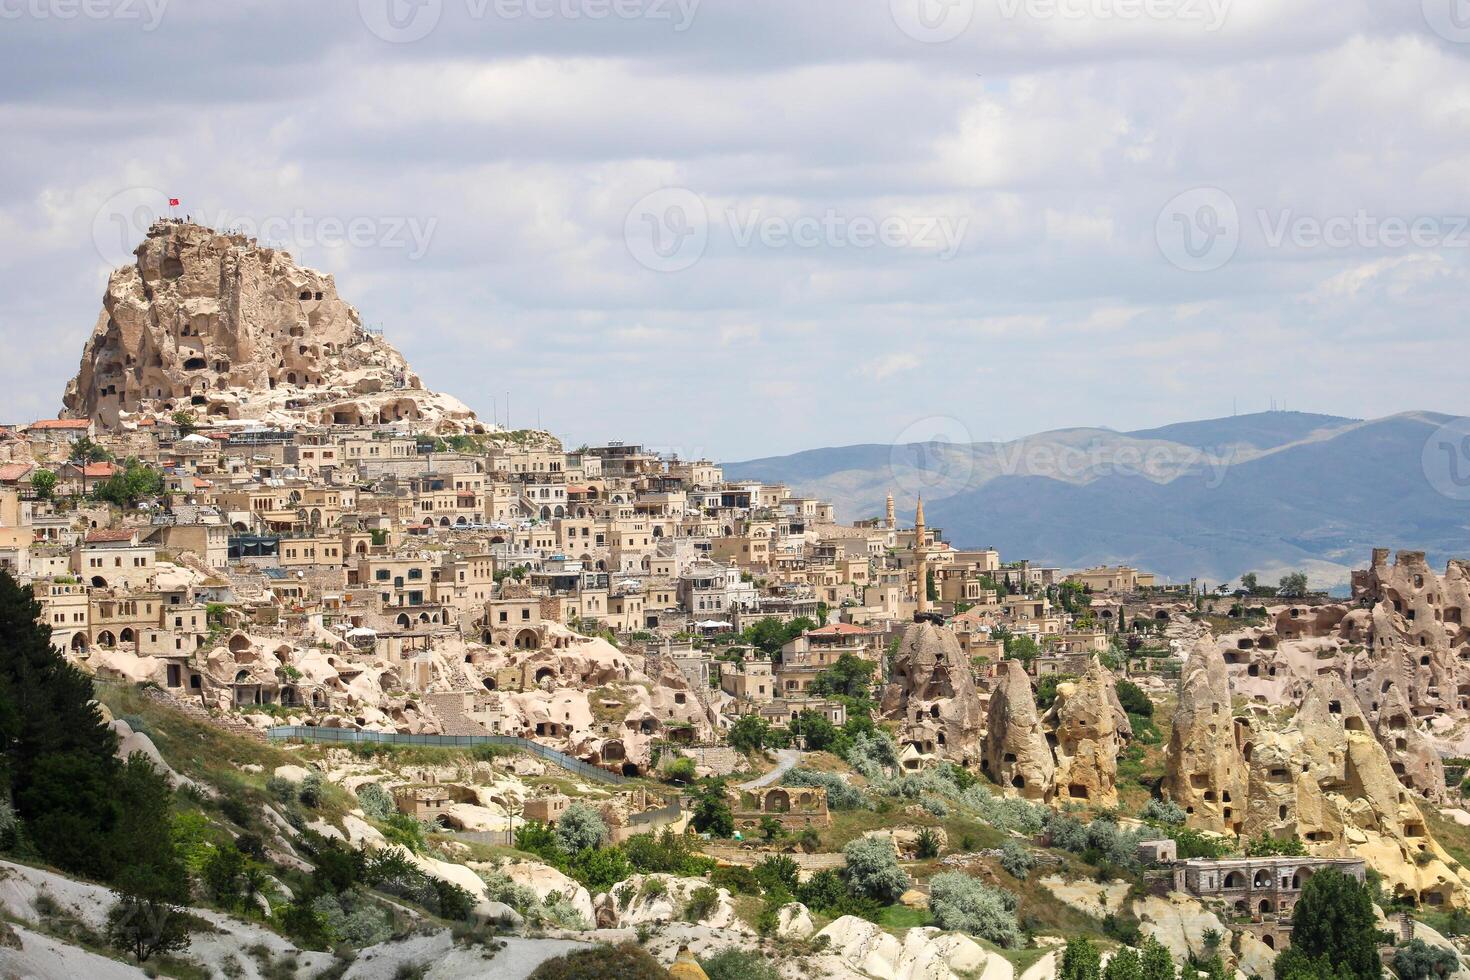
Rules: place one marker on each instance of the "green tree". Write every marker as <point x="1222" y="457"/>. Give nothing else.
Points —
<point x="1266" y="846"/>
<point x="84" y="450"/>
<point x="712" y="812"/>
<point x="44" y="483"/>
<point x="1293" y="585"/>
<point x="1134" y="700"/>
<point x="1157" y="963"/>
<point x="186" y="422"/>
<point x="58" y="757"/>
<point x="850" y="677"/>
<point x="146" y="927"/>
<point x="131" y="484"/>
<point x="814" y="727"/>
<point x="580" y="827"/>
<point x="1334" y="919"/>
<point x="1080" y="960"/>
<point x="1249" y="582"/>
<point x="1021" y="648"/>
<point x="1125" y="965"/>
<point x="872" y="869"/>
<point x="748" y="734"/>
<point x="1417" y="960"/>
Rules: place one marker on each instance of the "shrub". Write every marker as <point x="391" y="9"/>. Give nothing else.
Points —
<point x="927" y="844"/>
<point x="1133" y="700"/>
<point x="1080" y="961"/>
<point x="1417" y="960"/>
<point x="628" y="961"/>
<point x="669" y="853"/>
<point x="872" y="869"/>
<point x="962" y="903"/>
<point x="375" y="801"/>
<point x="739" y="964"/>
<point x="1166" y="812"/>
<point x="701" y="902"/>
<point x="736" y="880"/>
<point x="580" y="827"/>
<point x="841" y="795"/>
<point x="778" y="873"/>
<point x="281" y="789"/>
<point x="310" y="791"/>
<point x="599" y="868"/>
<point x="1016" y="860"/>
<point x="681" y="770"/>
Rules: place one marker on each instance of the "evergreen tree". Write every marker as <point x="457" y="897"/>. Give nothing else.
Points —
<point x="1157" y="962"/>
<point x="59" y="759"/>
<point x="1334" y="921"/>
<point x="1124" y="965"/>
<point x="1080" y="961"/>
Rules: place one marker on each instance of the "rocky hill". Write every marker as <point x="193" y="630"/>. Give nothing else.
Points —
<point x="223" y="327"/>
<point x="1270" y="492"/>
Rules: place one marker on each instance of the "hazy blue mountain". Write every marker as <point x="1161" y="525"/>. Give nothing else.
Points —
<point x="1290" y="491"/>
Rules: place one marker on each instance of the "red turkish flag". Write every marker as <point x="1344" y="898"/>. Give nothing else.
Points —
<point x="173" y="202"/>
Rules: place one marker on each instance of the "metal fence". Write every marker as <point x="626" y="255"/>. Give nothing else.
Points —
<point x="312" y="733"/>
<point x="666" y="814"/>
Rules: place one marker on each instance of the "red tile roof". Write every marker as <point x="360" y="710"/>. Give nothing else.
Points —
<point x="11" y="472"/>
<point x="98" y="470"/>
<point x="61" y="424"/>
<point x="108" y="537"/>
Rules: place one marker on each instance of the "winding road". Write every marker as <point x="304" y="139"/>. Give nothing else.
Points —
<point x="785" y="759"/>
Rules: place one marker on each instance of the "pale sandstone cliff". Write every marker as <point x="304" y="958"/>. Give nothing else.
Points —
<point x="225" y="328"/>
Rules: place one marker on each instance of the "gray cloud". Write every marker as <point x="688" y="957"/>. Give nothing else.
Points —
<point x="1050" y="146"/>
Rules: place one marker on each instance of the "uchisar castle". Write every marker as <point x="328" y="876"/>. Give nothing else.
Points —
<point x="603" y="699"/>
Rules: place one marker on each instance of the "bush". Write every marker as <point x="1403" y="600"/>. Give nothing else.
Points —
<point x="1165" y="812"/>
<point x="668" y="853"/>
<point x="778" y="873"/>
<point x="928" y="843"/>
<point x="1080" y="961"/>
<point x="1133" y="700"/>
<point x="739" y="964"/>
<point x="873" y="871"/>
<point x="681" y="770"/>
<point x="281" y="789"/>
<point x="580" y="827"/>
<point x="375" y="801"/>
<point x="628" y="961"/>
<point x="1016" y="860"/>
<point x="701" y="902"/>
<point x="736" y="880"/>
<point x="1417" y="960"/>
<point x="310" y="791"/>
<point x="599" y="868"/>
<point x="841" y="795"/>
<point x="959" y="902"/>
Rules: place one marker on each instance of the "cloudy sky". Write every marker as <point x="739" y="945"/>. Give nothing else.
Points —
<point x="748" y="227"/>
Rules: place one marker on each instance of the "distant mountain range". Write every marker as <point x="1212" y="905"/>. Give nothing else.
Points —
<point x="1269" y="492"/>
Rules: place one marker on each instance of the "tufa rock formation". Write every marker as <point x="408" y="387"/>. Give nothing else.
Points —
<point x="227" y="329"/>
<point x="1088" y="728"/>
<point x="1204" y="771"/>
<point x="1016" y="754"/>
<point x="1070" y="754"/>
<point x="1321" y="775"/>
<point x="932" y="692"/>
